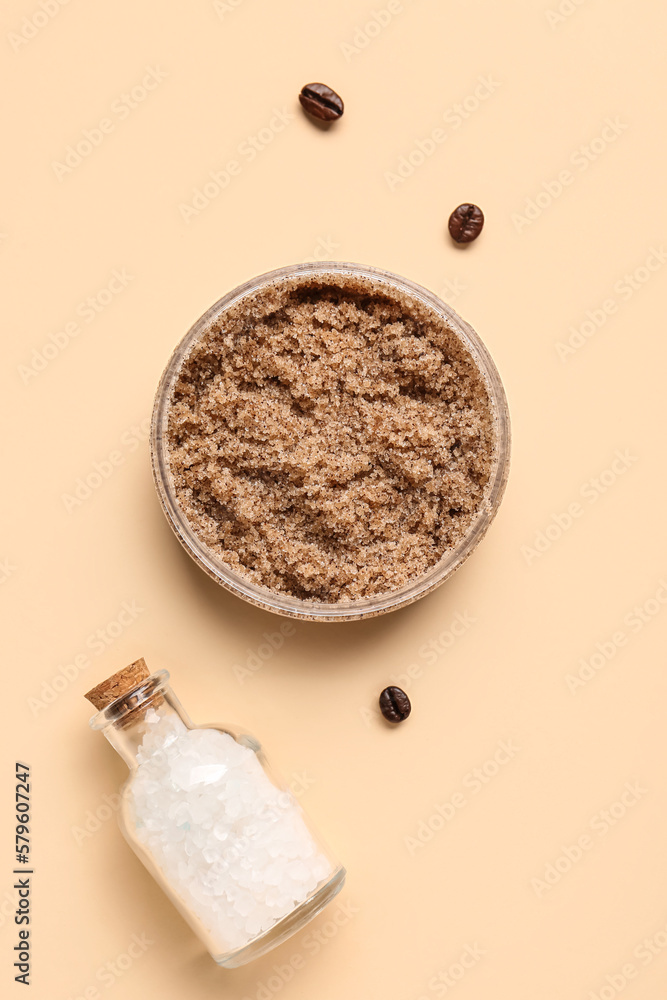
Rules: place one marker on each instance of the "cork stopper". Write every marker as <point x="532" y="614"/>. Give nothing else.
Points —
<point x="118" y="684"/>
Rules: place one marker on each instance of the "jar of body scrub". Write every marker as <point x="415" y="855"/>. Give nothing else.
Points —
<point x="226" y="841"/>
<point x="330" y="441"/>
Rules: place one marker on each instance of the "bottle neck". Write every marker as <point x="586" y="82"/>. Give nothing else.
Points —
<point x="137" y="724"/>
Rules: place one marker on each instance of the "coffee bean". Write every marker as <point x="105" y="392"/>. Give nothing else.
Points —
<point x="395" y="704"/>
<point x="321" y="102"/>
<point x="466" y="223"/>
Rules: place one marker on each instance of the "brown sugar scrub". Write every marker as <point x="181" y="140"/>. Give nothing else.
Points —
<point x="330" y="435"/>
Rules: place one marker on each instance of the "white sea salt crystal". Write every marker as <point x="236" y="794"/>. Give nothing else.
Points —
<point x="187" y="776"/>
<point x="245" y="904"/>
<point x="297" y="870"/>
<point x="272" y="896"/>
<point x="284" y="899"/>
<point x="273" y="875"/>
<point x="233" y="808"/>
<point x="291" y="850"/>
<point x="301" y="892"/>
<point x="233" y="847"/>
<point x="253" y="925"/>
<point x="321" y="867"/>
<point x="197" y="835"/>
<point x="257" y="857"/>
<point x="201" y="810"/>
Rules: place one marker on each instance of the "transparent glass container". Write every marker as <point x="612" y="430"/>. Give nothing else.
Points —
<point x="221" y="834"/>
<point x="285" y="604"/>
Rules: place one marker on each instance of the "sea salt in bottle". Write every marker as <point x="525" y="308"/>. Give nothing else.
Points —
<point x="226" y="841"/>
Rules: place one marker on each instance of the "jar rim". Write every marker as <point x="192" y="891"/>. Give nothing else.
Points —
<point x="119" y="709"/>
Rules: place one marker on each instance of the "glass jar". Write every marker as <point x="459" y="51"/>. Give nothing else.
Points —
<point x="282" y="603"/>
<point x="221" y="834"/>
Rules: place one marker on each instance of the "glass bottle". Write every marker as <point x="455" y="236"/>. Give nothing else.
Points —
<point x="224" y="838"/>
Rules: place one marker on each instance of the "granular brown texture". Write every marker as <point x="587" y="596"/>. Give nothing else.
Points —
<point x="330" y="438"/>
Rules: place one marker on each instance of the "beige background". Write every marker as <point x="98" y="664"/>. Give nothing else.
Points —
<point x="67" y="569"/>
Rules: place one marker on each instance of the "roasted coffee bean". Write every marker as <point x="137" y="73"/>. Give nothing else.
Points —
<point x="466" y="223"/>
<point x="395" y="704"/>
<point x="321" y="102"/>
